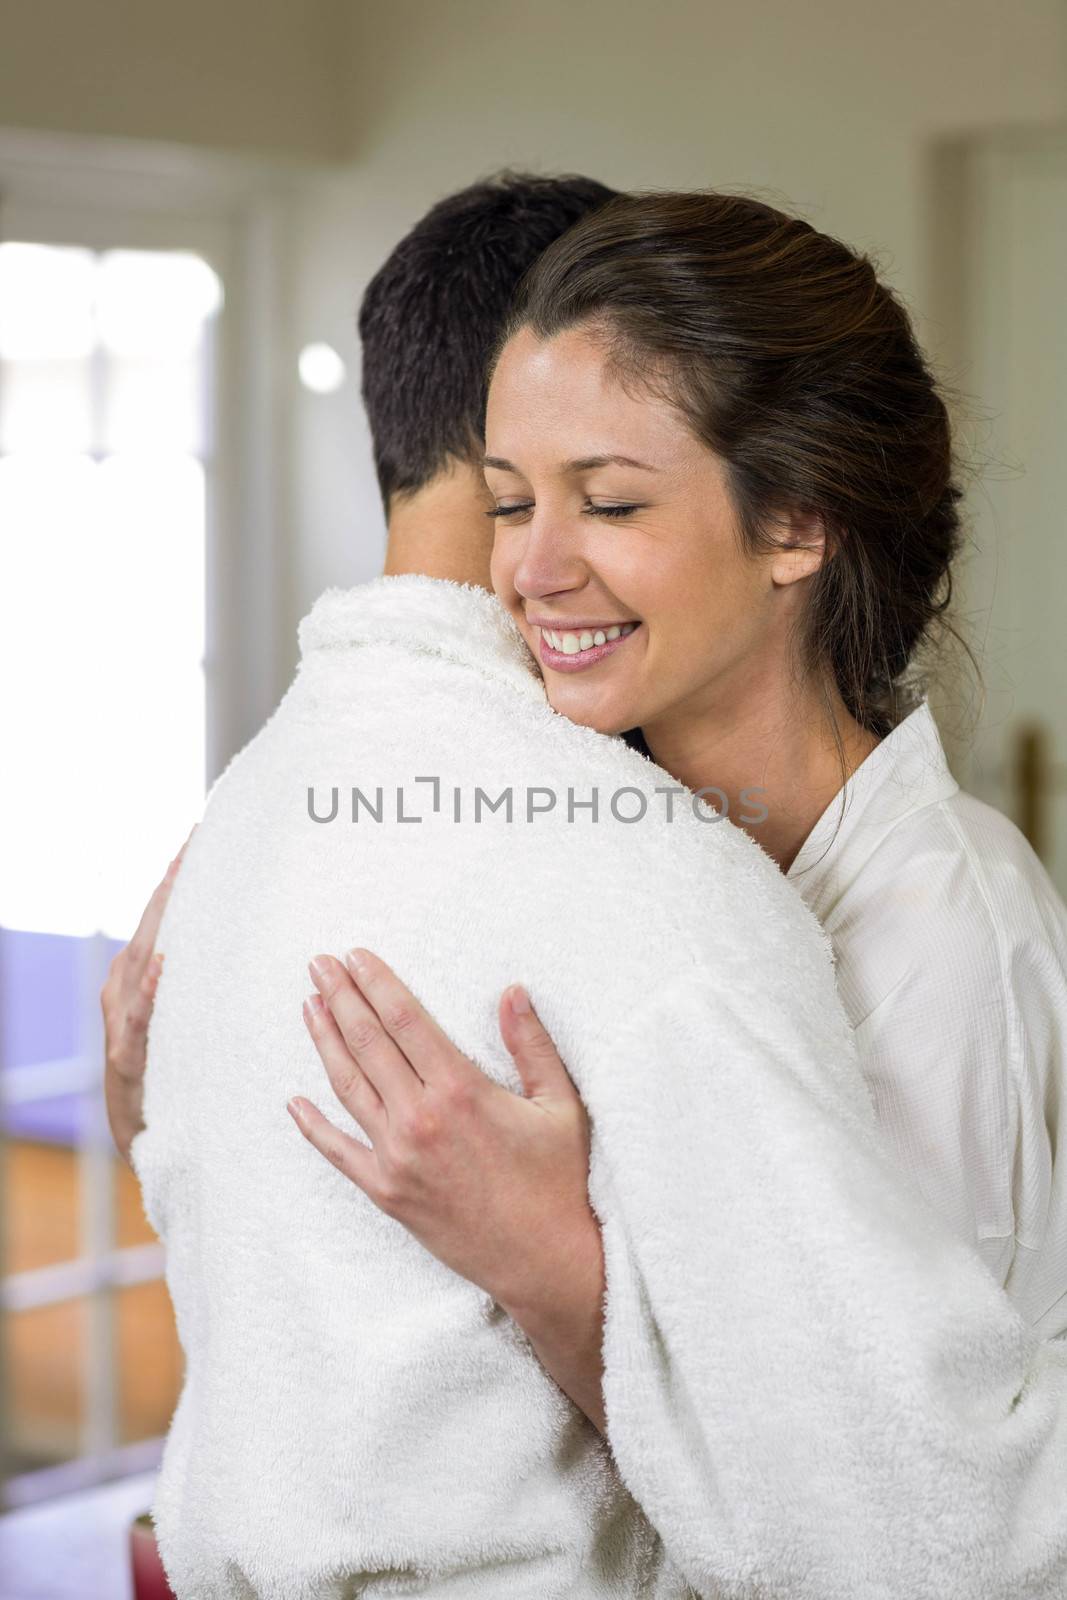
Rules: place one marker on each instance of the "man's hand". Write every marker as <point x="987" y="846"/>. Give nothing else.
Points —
<point x="126" y="1000"/>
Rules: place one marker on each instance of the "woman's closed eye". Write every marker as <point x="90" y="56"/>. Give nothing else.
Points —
<point x="589" y="509"/>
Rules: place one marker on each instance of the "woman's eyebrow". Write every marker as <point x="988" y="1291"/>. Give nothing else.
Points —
<point x="583" y="464"/>
<point x="587" y="463"/>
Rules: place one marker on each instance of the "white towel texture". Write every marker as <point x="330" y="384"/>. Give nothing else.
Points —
<point x="813" y="1390"/>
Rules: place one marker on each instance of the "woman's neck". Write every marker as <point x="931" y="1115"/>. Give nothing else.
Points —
<point x="774" y="751"/>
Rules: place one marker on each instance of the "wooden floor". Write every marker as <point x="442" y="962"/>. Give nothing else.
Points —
<point x="44" y="1348"/>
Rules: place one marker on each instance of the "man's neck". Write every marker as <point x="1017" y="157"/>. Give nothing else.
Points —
<point x="442" y="531"/>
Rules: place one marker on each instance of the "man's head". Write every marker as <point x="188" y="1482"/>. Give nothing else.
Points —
<point x="429" y="321"/>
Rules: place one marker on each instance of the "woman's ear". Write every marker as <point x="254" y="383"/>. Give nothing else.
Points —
<point x="802" y="550"/>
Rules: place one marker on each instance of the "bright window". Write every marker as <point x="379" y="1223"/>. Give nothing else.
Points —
<point x="105" y="429"/>
<point x="107" y="378"/>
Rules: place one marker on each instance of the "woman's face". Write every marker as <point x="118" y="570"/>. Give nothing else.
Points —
<point x="609" y="513"/>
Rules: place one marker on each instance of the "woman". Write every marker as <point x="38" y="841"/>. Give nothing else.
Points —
<point x="784" y="535"/>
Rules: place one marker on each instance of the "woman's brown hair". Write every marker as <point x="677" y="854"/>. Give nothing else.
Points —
<point x="800" y="370"/>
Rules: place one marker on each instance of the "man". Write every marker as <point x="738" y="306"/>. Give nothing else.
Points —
<point x="427" y="323"/>
<point x="393" y="1427"/>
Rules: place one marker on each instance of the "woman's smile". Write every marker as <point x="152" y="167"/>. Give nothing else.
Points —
<point x="574" y="649"/>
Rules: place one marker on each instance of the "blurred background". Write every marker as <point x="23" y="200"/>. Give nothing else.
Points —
<point x="191" y="200"/>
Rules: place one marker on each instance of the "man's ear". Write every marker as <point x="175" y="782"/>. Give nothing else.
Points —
<point x="803" y="548"/>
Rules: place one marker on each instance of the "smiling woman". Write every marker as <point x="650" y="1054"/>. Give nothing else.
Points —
<point x="722" y="326"/>
<point x="712" y="421"/>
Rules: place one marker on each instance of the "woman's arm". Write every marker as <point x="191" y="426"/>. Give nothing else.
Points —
<point x="810" y="1386"/>
<point x="493" y="1184"/>
<point x="564" y="1318"/>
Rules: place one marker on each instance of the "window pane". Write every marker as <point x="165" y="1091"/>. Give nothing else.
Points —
<point x="51" y="1077"/>
<point x="40" y="1199"/>
<point x="102" y="626"/>
<point x="154" y="304"/>
<point x="153" y="311"/>
<point x="46" y="406"/>
<point x="46" y="301"/>
<point x="45" y="1383"/>
<point x="51" y="719"/>
<point x="148" y="398"/>
<point x="149" y="626"/>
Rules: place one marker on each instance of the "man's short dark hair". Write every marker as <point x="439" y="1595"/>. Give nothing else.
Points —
<point x="432" y="314"/>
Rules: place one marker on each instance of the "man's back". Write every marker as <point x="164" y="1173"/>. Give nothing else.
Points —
<point x="351" y="1407"/>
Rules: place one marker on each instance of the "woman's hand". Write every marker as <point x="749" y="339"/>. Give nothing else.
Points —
<point x="492" y="1183"/>
<point x="126" y="1000"/>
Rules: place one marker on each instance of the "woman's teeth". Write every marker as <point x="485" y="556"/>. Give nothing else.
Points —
<point x="569" y="644"/>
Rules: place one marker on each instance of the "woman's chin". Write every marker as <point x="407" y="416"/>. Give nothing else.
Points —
<point x="602" y="719"/>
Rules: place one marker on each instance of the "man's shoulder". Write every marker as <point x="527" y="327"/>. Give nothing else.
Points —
<point x="583" y="805"/>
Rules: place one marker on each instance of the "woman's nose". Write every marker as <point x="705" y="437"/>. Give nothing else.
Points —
<point x="551" y="558"/>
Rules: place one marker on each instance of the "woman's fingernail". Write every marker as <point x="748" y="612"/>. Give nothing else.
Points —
<point x="313" y="1002"/>
<point x="295" y="1109"/>
<point x="318" y="968"/>
<point x="355" y="963"/>
<point x="520" y="1001"/>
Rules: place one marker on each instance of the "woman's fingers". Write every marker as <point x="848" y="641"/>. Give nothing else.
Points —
<point x="139" y="950"/>
<point x="539" y="1064"/>
<point x="431" y="1053"/>
<point x="129" y="991"/>
<point x="347" y="1079"/>
<point x="133" y="960"/>
<point x="364" y="1041"/>
<point x="344" y="1152"/>
<point x="139" y="1012"/>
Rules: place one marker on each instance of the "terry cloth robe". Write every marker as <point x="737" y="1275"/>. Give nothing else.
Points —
<point x="812" y="1389"/>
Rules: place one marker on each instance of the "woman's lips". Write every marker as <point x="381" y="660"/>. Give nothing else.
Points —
<point x="585" y="658"/>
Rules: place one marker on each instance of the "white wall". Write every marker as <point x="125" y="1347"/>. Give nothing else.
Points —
<point x="247" y="75"/>
<point x="828" y="109"/>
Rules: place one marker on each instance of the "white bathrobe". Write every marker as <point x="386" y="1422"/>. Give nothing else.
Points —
<point x="813" y="1391"/>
